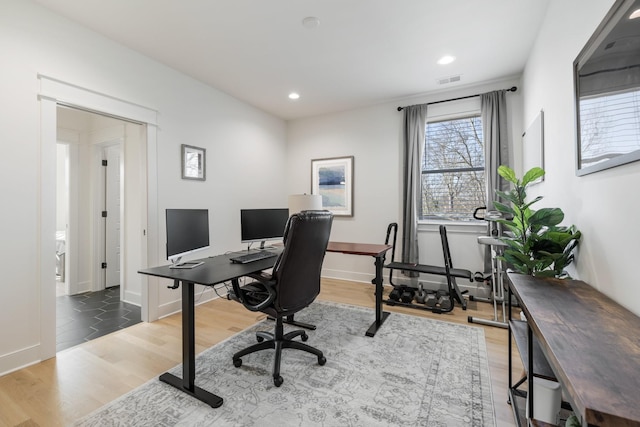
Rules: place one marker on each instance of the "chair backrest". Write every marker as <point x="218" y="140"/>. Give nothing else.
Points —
<point x="297" y="270"/>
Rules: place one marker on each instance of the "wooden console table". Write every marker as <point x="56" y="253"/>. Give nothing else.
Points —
<point x="591" y="344"/>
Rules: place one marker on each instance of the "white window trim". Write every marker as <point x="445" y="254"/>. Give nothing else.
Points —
<point x="452" y="110"/>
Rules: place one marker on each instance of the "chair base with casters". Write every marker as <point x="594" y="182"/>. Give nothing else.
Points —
<point x="292" y="286"/>
<point x="279" y="341"/>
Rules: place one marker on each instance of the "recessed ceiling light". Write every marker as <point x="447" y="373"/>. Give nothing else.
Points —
<point x="447" y="59"/>
<point x="635" y="14"/>
<point x="311" y="22"/>
<point x="294" y="95"/>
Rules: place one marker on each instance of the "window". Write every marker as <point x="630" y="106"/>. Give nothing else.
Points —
<point x="453" y="179"/>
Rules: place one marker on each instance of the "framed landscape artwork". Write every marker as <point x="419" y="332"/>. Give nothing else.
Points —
<point x="332" y="179"/>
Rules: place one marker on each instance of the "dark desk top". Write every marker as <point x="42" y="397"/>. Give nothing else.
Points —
<point x="215" y="270"/>
<point x="592" y="344"/>
<point x="358" y="248"/>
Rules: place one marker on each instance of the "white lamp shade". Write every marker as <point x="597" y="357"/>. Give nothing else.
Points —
<point x="304" y="202"/>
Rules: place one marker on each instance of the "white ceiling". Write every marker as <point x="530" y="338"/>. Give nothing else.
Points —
<point x="363" y="52"/>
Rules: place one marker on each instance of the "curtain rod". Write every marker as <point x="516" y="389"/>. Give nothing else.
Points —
<point x="511" y="89"/>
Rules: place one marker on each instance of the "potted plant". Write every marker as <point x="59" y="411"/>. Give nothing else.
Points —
<point x="536" y="244"/>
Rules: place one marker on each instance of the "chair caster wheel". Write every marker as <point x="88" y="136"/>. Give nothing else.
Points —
<point x="277" y="381"/>
<point x="304" y="337"/>
<point x="237" y="362"/>
<point x="322" y="360"/>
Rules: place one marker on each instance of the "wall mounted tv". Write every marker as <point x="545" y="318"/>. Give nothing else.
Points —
<point x="607" y="92"/>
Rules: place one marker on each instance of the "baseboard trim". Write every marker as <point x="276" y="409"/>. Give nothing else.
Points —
<point x="133" y="298"/>
<point x="175" y="306"/>
<point x="20" y="359"/>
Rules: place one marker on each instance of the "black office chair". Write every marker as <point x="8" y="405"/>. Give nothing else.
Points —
<point x="293" y="284"/>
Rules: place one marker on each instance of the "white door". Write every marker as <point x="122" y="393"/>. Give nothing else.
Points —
<point x="112" y="221"/>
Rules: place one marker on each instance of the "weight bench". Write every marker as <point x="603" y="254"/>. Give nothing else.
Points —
<point x="453" y="294"/>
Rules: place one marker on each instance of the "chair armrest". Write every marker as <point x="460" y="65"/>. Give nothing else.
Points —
<point x="255" y="296"/>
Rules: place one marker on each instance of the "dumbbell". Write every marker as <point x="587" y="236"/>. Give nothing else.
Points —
<point x="431" y="300"/>
<point x="421" y="295"/>
<point x="395" y="294"/>
<point x="444" y="302"/>
<point x="407" y="295"/>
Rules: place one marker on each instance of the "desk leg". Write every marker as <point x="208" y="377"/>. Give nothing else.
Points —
<point x="187" y="382"/>
<point x="381" y="315"/>
<point x="530" y="378"/>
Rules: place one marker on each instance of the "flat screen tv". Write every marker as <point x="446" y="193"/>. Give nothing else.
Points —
<point x="260" y="225"/>
<point x="187" y="232"/>
<point x="607" y="92"/>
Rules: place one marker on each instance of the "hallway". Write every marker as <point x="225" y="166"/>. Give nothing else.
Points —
<point x="81" y="318"/>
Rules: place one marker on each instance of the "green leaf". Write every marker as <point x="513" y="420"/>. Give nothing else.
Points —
<point x="507" y="173"/>
<point x="510" y="196"/>
<point x="531" y="175"/>
<point x="545" y="273"/>
<point x="547" y="216"/>
<point x="500" y="207"/>
<point x="572" y="421"/>
<point x="537" y="199"/>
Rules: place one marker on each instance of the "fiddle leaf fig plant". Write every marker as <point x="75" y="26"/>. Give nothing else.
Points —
<point x="536" y="244"/>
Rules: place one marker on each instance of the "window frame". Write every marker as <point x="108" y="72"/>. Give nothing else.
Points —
<point x="449" y="111"/>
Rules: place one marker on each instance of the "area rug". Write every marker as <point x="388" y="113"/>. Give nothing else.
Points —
<point x="414" y="372"/>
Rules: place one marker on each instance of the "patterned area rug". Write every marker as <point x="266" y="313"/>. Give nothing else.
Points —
<point x="415" y="371"/>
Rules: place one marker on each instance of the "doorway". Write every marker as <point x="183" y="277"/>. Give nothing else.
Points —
<point x="93" y="296"/>
<point x="142" y="235"/>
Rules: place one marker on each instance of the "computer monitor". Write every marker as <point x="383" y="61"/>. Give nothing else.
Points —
<point x="259" y="225"/>
<point x="187" y="232"/>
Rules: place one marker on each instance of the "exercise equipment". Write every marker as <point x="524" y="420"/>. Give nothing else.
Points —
<point x="444" y="302"/>
<point x="396" y="293"/>
<point x="407" y="295"/>
<point x="421" y="295"/>
<point x="497" y="297"/>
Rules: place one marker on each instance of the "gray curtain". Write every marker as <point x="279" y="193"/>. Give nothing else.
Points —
<point x="494" y="121"/>
<point x="415" y="119"/>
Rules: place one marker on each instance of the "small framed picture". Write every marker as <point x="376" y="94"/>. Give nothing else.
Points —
<point x="333" y="179"/>
<point x="194" y="163"/>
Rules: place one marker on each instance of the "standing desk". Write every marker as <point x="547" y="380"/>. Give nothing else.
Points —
<point x="220" y="269"/>
<point x="378" y="252"/>
<point x="215" y="270"/>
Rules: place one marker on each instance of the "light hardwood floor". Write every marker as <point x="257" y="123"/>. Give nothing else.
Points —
<point x="81" y="379"/>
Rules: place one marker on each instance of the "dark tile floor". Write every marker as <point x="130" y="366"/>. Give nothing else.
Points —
<point x="90" y="315"/>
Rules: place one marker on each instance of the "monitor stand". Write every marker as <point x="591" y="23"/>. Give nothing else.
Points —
<point x="259" y="248"/>
<point x="185" y="265"/>
<point x="262" y="246"/>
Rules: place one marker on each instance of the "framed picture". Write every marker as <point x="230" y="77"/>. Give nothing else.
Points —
<point x="194" y="163"/>
<point x="333" y="179"/>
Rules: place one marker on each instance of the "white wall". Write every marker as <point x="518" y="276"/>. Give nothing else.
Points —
<point x="241" y="142"/>
<point x="373" y="136"/>
<point x="603" y="205"/>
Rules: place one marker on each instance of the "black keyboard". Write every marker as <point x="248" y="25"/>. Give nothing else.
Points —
<point x="251" y="257"/>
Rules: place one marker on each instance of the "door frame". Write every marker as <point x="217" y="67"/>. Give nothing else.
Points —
<point x="54" y="92"/>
